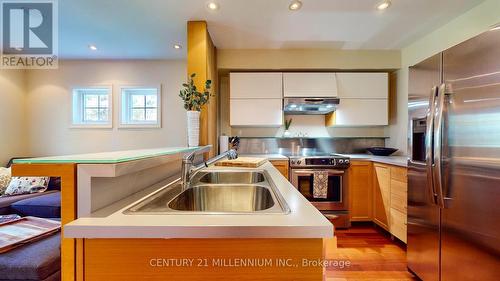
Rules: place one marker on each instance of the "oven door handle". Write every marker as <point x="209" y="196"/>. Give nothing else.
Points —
<point x="311" y="171"/>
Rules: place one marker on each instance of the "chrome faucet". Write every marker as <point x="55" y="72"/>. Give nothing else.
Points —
<point x="187" y="164"/>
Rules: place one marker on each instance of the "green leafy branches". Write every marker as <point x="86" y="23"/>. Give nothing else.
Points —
<point x="194" y="100"/>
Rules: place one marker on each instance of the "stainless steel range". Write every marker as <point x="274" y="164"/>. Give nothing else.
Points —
<point x="335" y="205"/>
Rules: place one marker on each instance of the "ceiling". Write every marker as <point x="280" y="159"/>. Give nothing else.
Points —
<point x="148" y="29"/>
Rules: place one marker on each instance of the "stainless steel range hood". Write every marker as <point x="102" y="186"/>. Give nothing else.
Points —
<point x="310" y="106"/>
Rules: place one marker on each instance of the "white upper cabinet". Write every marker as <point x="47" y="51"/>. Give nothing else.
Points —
<point x="256" y="112"/>
<point x="256" y="85"/>
<point x="256" y="99"/>
<point x="363" y="85"/>
<point x="364" y="99"/>
<point x="362" y="112"/>
<point x="310" y="84"/>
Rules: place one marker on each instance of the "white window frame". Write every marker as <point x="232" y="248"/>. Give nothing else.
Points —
<point x="78" y="105"/>
<point x="124" y="108"/>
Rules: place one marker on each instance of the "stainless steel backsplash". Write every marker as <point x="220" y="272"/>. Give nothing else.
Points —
<point x="298" y="146"/>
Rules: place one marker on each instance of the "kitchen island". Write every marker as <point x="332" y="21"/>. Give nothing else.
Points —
<point x="111" y="244"/>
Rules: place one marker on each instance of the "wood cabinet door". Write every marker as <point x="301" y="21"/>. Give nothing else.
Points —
<point x="360" y="190"/>
<point x="398" y="224"/>
<point x="282" y="166"/>
<point x="381" y="195"/>
<point x="399" y="204"/>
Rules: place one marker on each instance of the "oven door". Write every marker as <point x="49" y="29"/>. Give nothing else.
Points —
<point x="303" y="180"/>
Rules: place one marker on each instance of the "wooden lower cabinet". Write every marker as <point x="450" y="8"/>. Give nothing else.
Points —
<point x="399" y="202"/>
<point x="282" y="166"/>
<point x="390" y="199"/>
<point x="360" y="190"/>
<point x="203" y="259"/>
<point x="398" y="224"/>
<point x="381" y="195"/>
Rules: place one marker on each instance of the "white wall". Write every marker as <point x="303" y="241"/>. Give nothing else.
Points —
<point x="477" y="20"/>
<point x="48" y="106"/>
<point x="307" y="59"/>
<point x="13" y="136"/>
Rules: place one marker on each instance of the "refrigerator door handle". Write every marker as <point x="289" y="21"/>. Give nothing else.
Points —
<point x="438" y="143"/>
<point x="429" y="139"/>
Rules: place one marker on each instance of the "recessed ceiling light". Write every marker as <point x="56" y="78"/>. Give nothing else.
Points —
<point x="93" y="47"/>
<point x="177" y="46"/>
<point x="295" y="5"/>
<point x="212" y="6"/>
<point x="384" y="5"/>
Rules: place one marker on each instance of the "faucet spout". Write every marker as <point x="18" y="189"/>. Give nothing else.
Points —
<point x="187" y="169"/>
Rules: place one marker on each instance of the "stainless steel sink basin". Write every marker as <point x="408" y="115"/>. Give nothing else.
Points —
<point x="241" y="177"/>
<point x="217" y="192"/>
<point x="226" y="198"/>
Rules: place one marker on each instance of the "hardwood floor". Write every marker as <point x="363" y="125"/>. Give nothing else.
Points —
<point x="371" y="253"/>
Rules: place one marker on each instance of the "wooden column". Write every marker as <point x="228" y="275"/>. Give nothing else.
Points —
<point x="201" y="60"/>
<point x="67" y="173"/>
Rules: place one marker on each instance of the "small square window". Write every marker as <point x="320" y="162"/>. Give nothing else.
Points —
<point x="140" y="107"/>
<point x="92" y="107"/>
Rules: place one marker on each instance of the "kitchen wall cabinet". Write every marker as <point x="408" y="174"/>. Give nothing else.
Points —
<point x="381" y="195"/>
<point x="364" y="100"/>
<point x="360" y="112"/>
<point x="282" y="166"/>
<point x="256" y="99"/>
<point x="256" y="112"/>
<point x="363" y="85"/>
<point x="256" y="85"/>
<point x="309" y="84"/>
<point x="360" y="190"/>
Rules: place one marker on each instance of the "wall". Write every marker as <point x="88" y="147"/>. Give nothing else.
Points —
<point x="308" y="59"/>
<point x="477" y="20"/>
<point x="13" y="136"/>
<point x="48" y="106"/>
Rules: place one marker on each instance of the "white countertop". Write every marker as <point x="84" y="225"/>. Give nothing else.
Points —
<point x="304" y="221"/>
<point x="267" y="156"/>
<point x="392" y="160"/>
<point x="401" y="161"/>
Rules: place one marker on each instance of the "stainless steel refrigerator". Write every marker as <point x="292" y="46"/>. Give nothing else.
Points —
<point x="454" y="163"/>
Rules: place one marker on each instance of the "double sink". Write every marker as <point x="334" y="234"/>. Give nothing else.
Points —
<point x="217" y="192"/>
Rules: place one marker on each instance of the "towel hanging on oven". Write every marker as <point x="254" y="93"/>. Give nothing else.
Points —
<point x="320" y="184"/>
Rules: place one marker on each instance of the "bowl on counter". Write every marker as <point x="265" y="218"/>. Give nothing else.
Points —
<point x="381" y="151"/>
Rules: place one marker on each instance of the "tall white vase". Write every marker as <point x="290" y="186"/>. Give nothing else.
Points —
<point x="193" y="128"/>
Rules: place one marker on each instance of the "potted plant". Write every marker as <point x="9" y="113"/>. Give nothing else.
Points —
<point x="287" y="133"/>
<point x="193" y="102"/>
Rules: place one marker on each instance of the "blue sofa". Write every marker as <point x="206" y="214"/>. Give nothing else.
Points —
<point x="40" y="260"/>
<point x="37" y="261"/>
<point x="44" y="205"/>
